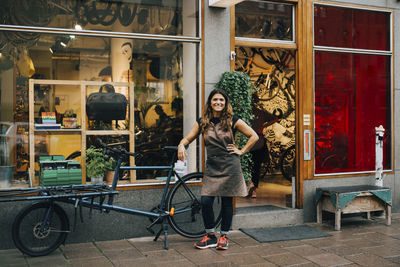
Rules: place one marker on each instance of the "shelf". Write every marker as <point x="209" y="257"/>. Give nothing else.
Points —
<point x="58" y="131"/>
<point x="107" y="132"/>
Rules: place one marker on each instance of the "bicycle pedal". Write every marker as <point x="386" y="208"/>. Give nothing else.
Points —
<point x="150" y="230"/>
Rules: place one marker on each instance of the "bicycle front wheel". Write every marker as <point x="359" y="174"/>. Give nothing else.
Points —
<point x="35" y="235"/>
<point x="184" y="197"/>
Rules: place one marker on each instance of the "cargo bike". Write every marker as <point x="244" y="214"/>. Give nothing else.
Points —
<point x="42" y="226"/>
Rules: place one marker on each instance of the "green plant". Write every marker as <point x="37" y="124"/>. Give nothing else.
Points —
<point x="239" y="88"/>
<point x="97" y="163"/>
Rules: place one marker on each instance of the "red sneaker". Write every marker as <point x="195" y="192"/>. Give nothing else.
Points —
<point x="208" y="241"/>
<point x="222" y="243"/>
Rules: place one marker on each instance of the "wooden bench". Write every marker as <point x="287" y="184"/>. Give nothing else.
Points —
<point x="353" y="199"/>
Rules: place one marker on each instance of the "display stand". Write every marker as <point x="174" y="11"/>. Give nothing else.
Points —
<point x="83" y="132"/>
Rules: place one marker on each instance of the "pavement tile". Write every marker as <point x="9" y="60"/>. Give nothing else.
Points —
<point x="164" y="256"/>
<point x="246" y="242"/>
<point x="383" y="251"/>
<point x="286" y="259"/>
<point x="286" y="244"/>
<point x="12" y="257"/>
<point x="328" y="259"/>
<point x="87" y="253"/>
<point x="144" y="246"/>
<point x="98" y="262"/>
<point x="394" y="259"/>
<point x="270" y="250"/>
<point x="305" y="250"/>
<point x="123" y="254"/>
<point x="113" y="245"/>
<point x="362" y="243"/>
<point x="343" y="250"/>
<point x="133" y="263"/>
<point x="244" y="259"/>
<point x="54" y="259"/>
<point x="181" y="263"/>
<point x="216" y="264"/>
<point x="367" y="259"/>
<point x="204" y="256"/>
<point x="322" y="242"/>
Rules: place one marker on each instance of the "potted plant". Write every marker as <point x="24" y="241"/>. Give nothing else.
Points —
<point x="97" y="164"/>
<point x="6" y="170"/>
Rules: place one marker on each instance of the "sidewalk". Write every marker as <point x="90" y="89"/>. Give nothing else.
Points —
<point x="361" y="242"/>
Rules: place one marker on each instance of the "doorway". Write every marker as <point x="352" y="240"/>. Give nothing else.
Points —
<point x="272" y="72"/>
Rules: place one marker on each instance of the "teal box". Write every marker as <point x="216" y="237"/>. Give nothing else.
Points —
<point x="48" y="173"/>
<point x="62" y="172"/>
<point x="74" y="172"/>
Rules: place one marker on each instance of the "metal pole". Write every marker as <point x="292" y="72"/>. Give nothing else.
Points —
<point x="379" y="132"/>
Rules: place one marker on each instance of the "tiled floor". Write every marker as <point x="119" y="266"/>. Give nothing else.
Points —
<point x="361" y="242"/>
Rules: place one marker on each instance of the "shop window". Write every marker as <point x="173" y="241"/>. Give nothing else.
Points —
<point x="264" y="20"/>
<point x="150" y="17"/>
<point x="351" y="28"/>
<point x="352" y="92"/>
<point x="155" y="67"/>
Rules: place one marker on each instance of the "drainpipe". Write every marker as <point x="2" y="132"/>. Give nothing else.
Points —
<point x="379" y="132"/>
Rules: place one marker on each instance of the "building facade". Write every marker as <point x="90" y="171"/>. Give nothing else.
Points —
<point x="325" y="73"/>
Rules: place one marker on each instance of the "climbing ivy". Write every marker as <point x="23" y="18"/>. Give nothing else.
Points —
<point x="239" y="89"/>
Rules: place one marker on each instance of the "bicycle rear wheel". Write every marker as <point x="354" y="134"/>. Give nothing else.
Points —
<point x="187" y="219"/>
<point x="33" y="238"/>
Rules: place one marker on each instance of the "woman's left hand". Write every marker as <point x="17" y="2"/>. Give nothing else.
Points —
<point x="234" y="150"/>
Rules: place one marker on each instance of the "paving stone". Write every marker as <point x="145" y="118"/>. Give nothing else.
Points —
<point x="383" y="251"/>
<point x="286" y="244"/>
<point x="343" y="250"/>
<point x="204" y="256"/>
<point x="305" y="250"/>
<point x="322" y="242"/>
<point x="367" y="259"/>
<point x="246" y="242"/>
<point x="128" y="253"/>
<point x="216" y="264"/>
<point x="394" y="259"/>
<point x="87" y="253"/>
<point x="181" y="263"/>
<point x="144" y="246"/>
<point x="12" y="257"/>
<point x="244" y="258"/>
<point x="98" y="262"/>
<point x="361" y="243"/>
<point x="286" y="259"/>
<point x="134" y="263"/>
<point x="164" y="256"/>
<point x="269" y="250"/>
<point x="113" y="245"/>
<point x="55" y="259"/>
<point x="328" y="259"/>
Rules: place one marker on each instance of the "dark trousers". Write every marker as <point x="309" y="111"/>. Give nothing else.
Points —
<point x="258" y="158"/>
<point x="208" y="213"/>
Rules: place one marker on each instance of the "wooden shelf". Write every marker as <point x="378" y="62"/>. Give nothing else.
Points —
<point x="82" y="132"/>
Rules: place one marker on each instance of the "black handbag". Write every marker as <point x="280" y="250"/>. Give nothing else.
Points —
<point x="106" y="106"/>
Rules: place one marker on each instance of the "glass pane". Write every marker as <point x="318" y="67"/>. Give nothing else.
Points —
<point x="351" y="28"/>
<point x="272" y="72"/>
<point x="352" y="97"/>
<point x="265" y="20"/>
<point x="152" y="17"/>
<point x="155" y="67"/>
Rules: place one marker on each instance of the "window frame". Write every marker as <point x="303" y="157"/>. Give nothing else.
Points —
<point x="196" y="40"/>
<point x="354" y="51"/>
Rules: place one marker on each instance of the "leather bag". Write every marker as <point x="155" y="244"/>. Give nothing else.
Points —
<point x="106" y="106"/>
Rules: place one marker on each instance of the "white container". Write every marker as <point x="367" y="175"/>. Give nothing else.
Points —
<point x="181" y="168"/>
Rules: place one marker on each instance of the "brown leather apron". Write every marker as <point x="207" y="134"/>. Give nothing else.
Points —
<point x="223" y="173"/>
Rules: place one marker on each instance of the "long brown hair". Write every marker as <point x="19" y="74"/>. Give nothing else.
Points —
<point x="226" y="115"/>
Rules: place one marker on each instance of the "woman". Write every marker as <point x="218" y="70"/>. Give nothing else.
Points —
<point x="223" y="174"/>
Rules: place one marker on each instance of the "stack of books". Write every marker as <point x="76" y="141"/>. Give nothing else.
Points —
<point x="48" y="122"/>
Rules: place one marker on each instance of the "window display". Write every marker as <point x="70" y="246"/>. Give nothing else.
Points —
<point x="353" y="92"/>
<point x="48" y="79"/>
